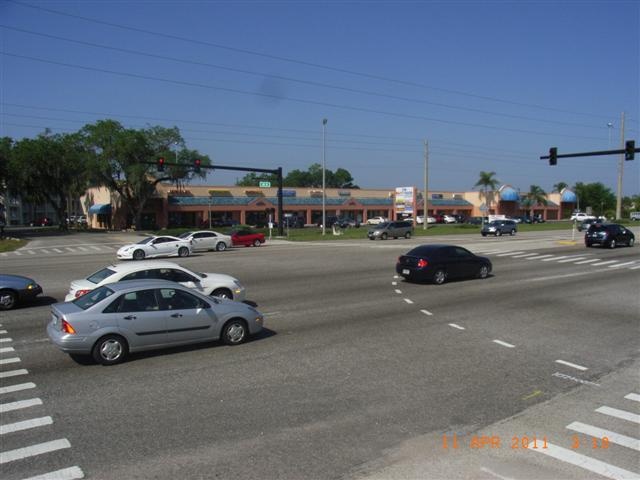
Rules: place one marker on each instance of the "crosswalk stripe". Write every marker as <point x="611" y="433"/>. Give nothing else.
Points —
<point x="9" y="407"/>
<point x="633" y="396"/>
<point x="25" y="425"/>
<point x="6" y="340"/>
<point x="634" y="268"/>
<point x="17" y="388"/>
<point x="70" y="249"/>
<point x="525" y="255"/>
<point x="39" y="449"/>
<point x="44" y="250"/>
<point x="13" y="373"/>
<point x="613" y="437"/>
<point x="622" y="414"/>
<point x="96" y="248"/>
<point x="82" y="249"/>
<point x="555" y="258"/>
<point x="7" y="349"/>
<point x="604" y="263"/>
<point x="572" y="259"/>
<point x="588" y="463"/>
<point x="5" y="361"/>
<point x="57" y="250"/>
<point x="31" y="252"/>
<point x="538" y="257"/>
<point x="588" y="261"/>
<point x="71" y="473"/>
<point x="622" y="264"/>
<point x="508" y="254"/>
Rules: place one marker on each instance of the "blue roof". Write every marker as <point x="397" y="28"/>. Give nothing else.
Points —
<point x="509" y="194"/>
<point x="568" y="196"/>
<point x="100" y="209"/>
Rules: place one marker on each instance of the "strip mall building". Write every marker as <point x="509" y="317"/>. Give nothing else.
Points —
<point x="192" y="206"/>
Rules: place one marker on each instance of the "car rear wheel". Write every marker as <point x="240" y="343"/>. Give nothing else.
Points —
<point x="383" y="236"/>
<point x="222" y="293"/>
<point x="183" y="252"/>
<point x="484" y="272"/>
<point x="110" y="349"/>
<point x="235" y="332"/>
<point x="138" y="255"/>
<point x="631" y="242"/>
<point x="439" y="276"/>
<point x="221" y="246"/>
<point x="8" y="299"/>
<point x="256" y="243"/>
<point x="512" y="232"/>
<point x="612" y="243"/>
<point x="407" y="235"/>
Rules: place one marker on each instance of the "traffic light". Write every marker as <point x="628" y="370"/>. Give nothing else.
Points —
<point x="630" y="150"/>
<point x="160" y="164"/>
<point x="553" y="156"/>
<point x="196" y="165"/>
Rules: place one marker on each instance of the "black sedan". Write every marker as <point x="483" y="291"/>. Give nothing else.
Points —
<point x="438" y="263"/>
<point x="15" y="288"/>
<point x="609" y="235"/>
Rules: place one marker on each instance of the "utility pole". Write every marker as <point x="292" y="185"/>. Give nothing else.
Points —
<point x="324" y="196"/>
<point x="425" y="197"/>
<point x="620" y="171"/>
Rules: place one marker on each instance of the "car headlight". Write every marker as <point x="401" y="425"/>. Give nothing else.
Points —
<point x="377" y="232"/>
<point x="31" y="286"/>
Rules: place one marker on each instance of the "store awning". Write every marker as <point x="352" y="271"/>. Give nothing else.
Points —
<point x="100" y="209"/>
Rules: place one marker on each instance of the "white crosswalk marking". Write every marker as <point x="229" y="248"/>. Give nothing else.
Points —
<point x="525" y="255"/>
<point x="571" y="259"/>
<point x="622" y="414"/>
<point x="71" y="473"/>
<point x="538" y="257"/>
<point x="11" y="406"/>
<point x="613" y="437"/>
<point x="622" y="264"/>
<point x="13" y="373"/>
<point x="96" y="248"/>
<point x="31" y="252"/>
<point x="39" y="449"/>
<point x="588" y="261"/>
<point x="633" y="396"/>
<point x="25" y="425"/>
<point x="57" y="250"/>
<point x="5" y="361"/>
<point x="508" y="254"/>
<point x="44" y="250"/>
<point x="604" y="263"/>
<point x="17" y="388"/>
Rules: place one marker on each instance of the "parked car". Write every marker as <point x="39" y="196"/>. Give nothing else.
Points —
<point x="439" y="263"/>
<point x="588" y="222"/>
<point x="391" y="229"/>
<point x="124" y="317"/>
<point x="216" y="284"/>
<point x="376" y="220"/>
<point x="41" y="222"/>
<point x="207" y="240"/>
<point x="498" y="227"/>
<point x="634" y="216"/>
<point x="475" y="221"/>
<point x="609" y="235"/>
<point x="152" y="247"/>
<point x="247" y="237"/>
<point x="448" y="219"/>
<point x="581" y="217"/>
<point x="15" y="289"/>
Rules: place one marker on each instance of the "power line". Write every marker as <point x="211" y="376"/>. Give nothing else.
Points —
<point x="300" y="81"/>
<point x="166" y="35"/>
<point x="291" y="99"/>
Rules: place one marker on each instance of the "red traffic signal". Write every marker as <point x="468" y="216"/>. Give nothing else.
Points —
<point x="196" y="165"/>
<point x="160" y="165"/>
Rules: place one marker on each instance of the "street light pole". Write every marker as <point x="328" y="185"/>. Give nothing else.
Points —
<point x="425" y="197"/>
<point x="324" y="212"/>
<point x="209" y="211"/>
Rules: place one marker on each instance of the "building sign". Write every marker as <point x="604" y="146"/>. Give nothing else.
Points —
<point x="405" y="200"/>
<point x="265" y="184"/>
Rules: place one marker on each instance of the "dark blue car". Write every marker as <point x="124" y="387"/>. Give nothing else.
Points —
<point x="15" y="289"/>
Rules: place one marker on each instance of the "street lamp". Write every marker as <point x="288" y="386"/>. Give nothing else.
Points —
<point x="324" y="212"/>
<point x="609" y="127"/>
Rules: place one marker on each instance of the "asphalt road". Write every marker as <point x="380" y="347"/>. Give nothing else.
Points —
<point x="354" y="364"/>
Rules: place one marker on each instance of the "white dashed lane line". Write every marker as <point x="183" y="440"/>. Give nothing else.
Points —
<point x="454" y="325"/>
<point x="572" y="365"/>
<point x="426" y="312"/>
<point x="409" y="301"/>
<point x="504" y="344"/>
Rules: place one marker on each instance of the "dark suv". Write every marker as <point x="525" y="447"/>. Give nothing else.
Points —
<point x="609" y="235"/>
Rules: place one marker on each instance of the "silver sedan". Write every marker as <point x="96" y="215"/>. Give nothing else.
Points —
<point x="114" y="320"/>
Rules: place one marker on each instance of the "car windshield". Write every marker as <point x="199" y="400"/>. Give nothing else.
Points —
<point x="382" y="225"/>
<point x="88" y="300"/>
<point x="185" y="235"/>
<point x="144" y="241"/>
<point x="423" y="251"/>
<point x="100" y="275"/>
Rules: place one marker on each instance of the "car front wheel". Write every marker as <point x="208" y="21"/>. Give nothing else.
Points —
<point x="110" y="349"/>
<point x="498" y="233"/>
<point x="631" y="242"/>
<point x="222" y="293"/>
<point x="221" y="246"/>
<point x="138" y="255"/>
<point x="235" y="332"/>
<point x="513" y="232"/>
<point x="383" y="236"/>
<point x="183" y="252"/>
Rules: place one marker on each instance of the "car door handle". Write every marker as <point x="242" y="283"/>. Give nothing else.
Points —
<point x="130" y="317"/>
<point x="176" y="315"/>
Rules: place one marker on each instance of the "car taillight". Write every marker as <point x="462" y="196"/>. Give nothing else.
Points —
<point x="422" y="263"/>
<point x="79" y="293"/>
<point x="67" y="328"/>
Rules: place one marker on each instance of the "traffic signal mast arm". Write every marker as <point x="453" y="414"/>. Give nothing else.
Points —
<point x="629" y="152"/>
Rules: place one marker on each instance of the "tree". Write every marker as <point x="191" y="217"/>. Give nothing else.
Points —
<point x="6" y="145"/>
<point x="123" y="160"/>
<point x="596" y="197"/>
<point x="535" y="196"/>
<point x="253" y="179"/>
<point x="558" y="187"/>
<point x="488" y="184"/>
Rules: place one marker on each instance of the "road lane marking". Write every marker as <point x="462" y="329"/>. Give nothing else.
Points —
<point x="508" y="254"/>
<point x="572" y="259"/>
<point x="395" y="276"/>
<point x="504" y="344"/>
<point x="588" y="261"/>
<point x="25" y="425"/>
<point x="613" y="437"/>
<point x="96" y="248"/>
<point x="525" y="255"/>
<point x="574" y="379"/>
<point x="582" y="461"/>
<point x="604" y="263"/>
<point x="43" y="250"/>
<point x="17" y="388"/>
<point x="409" y="301"/>
<point x="633" y="396"/>
<point x="57" y="250"/>
<point x="622" y="414"/>
<point x="454" y="325"/>
<point x="555" y="258"/>
<point x="534" y="394"/>
<point x="17" y="253"/>
<point x="7" y="349"/>
<point x="394" y="283"/>
<point x="491" y="472"/>
<point x="33" y="450"/>
<point x="9" y="407"/>
<point x="71" y="473"/>
<point x="5" y="361"/>
<point x="634" y="268"/>
<point x="622" y="264"/>
<point x="70" y="249"/>
<point x="5" y="340"/>
<point x="426" y="312"/>
<point x="398" y="291"/>
<point x="538" y="257"/>
<point x="3" y="331"/>
<point x="13" y="373"/>
<point x="572" y="365"/>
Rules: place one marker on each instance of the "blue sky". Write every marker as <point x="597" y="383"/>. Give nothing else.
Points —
<point x="490" y="85"/>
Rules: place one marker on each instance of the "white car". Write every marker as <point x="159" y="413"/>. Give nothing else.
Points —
<point x="449" y="219"/>
<point x="376" y="220"/>
<point x="581" y="217"/>
<point x="150" y="247"/>
<point x="215" y="284"/>
<point x="207" y="240"/>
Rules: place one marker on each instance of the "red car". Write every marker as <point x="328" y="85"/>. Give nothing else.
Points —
<point x="247" y="237"/>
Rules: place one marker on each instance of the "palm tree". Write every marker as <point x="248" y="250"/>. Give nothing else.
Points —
<point x="558" y="187"/>
<point x="536" y="196"/>
<point x="488" y="183"/>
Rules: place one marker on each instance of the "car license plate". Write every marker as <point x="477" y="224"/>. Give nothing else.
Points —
<point x="405" y="271"/>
